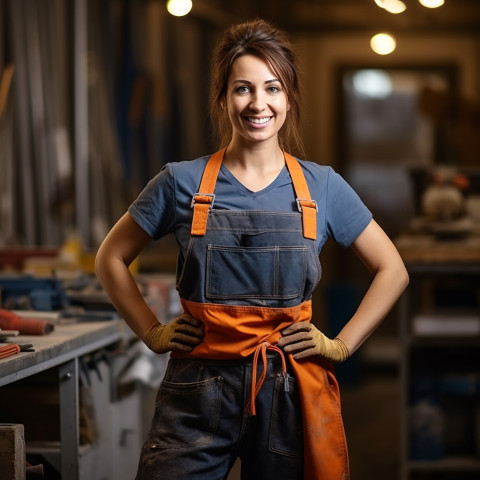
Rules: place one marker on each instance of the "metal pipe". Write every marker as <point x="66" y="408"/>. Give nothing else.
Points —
<point x="81" y="121"/>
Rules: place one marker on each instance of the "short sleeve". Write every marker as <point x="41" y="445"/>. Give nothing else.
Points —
<point x="346" y="216"/>
<point x="154" y="208"/>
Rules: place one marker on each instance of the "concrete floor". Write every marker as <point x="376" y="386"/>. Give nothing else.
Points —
<point x="371" y="416"/>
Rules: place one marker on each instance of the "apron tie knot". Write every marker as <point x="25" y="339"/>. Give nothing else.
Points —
<point x="257" y="384"/>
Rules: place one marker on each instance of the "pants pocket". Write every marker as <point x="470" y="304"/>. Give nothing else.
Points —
<point x="286" y="425"/>
<point x="186" y="414"/>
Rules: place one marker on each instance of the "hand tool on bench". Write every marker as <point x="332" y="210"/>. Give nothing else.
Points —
<point x="14" y="348"/>
<point x="26" y="326"/>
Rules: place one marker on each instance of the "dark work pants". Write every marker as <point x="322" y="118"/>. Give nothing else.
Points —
<point x="201" y="424"/>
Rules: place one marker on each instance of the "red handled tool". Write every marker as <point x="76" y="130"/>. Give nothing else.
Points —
<point x="14" y="348"/>
<point x="26" y="326"/>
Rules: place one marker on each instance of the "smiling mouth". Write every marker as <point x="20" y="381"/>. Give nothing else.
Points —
<point x="258" y="121"/>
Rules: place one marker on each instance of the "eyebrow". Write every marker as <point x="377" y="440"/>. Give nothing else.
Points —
<point x="273" y="80"/>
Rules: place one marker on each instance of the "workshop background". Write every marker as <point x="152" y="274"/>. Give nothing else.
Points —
<point x="97" y="95"/>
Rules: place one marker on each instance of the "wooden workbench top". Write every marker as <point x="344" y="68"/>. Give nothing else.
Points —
<point x="66" y="342"/>
<point x="429" y="249"/>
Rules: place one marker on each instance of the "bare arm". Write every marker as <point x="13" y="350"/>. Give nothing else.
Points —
<point x="121" y="246"/>
<point x="390" y="279"/>
<point x="377" y="252"/>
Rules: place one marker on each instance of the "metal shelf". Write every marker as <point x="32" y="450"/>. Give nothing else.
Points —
<point x="436" y="356"/>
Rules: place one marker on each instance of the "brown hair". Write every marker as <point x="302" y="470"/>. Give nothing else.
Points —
<point x="259" y="38"/>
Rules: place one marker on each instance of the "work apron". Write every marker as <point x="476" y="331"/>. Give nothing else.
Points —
<point x="248" y="275"/>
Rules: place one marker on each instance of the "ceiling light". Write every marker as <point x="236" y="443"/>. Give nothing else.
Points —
<point x="432" y="3"/>
<point x="383" y="43"/>
<point x="179" y="8"/>
<point x="392" y="6"/>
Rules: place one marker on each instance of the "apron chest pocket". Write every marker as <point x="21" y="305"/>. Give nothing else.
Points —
<point x="274" y="272"/>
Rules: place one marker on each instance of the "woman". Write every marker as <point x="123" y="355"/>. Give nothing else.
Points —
<point x="249" y="375"/>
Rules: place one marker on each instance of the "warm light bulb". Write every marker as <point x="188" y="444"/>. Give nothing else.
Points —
<point x="432" y="3"/>
<point x="392" y="6"/>
<point x="179" y="8"/>
<point x="383" y="43"/>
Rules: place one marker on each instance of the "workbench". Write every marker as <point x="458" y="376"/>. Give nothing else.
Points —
<point x="62" y="349"/>
<point x="419" y="249"/>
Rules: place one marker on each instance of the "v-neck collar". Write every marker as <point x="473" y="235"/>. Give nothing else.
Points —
<point x="246" y="191"/>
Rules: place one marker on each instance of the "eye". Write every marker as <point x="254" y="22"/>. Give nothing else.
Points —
<point x="274" y="89"/>
<point x="242" y="89"/>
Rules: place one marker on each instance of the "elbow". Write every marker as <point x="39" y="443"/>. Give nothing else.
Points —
<point x="404" y="278"/>
<point x="99" y="264"/>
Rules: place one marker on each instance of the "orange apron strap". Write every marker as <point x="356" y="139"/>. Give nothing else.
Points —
<point x="306" y="205"/>
<point x="257" y="383"/>
<point x="202" y="201"/>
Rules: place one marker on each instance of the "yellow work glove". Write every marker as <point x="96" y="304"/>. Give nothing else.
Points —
<point x="182" y="334"/>
<point x="304" y="340"/>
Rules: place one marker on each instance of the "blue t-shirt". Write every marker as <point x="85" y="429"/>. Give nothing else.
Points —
<point x="164" y="206"/>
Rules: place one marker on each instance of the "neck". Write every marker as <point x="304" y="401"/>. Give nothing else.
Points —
<point x="255" y="168"/>
<point x="257" y="157"/>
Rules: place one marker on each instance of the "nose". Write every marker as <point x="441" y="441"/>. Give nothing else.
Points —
<point x="257" y="103"/>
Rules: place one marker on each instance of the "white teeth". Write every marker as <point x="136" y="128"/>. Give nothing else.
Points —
<point x="259" y="121"/>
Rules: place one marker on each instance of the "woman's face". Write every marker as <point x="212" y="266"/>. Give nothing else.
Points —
<point x="256" y="101"/>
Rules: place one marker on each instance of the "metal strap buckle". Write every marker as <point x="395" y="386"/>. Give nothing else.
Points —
<point x="299" y="205"/>
<point x="210" y="195"/>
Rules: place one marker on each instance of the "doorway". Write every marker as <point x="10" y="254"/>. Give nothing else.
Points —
<point x="388" y="140"/>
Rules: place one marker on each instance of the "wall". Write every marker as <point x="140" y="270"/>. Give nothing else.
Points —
<point x="321" y="54"/>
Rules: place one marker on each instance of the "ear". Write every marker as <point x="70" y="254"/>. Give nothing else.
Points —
<point x="222" y="101"/>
